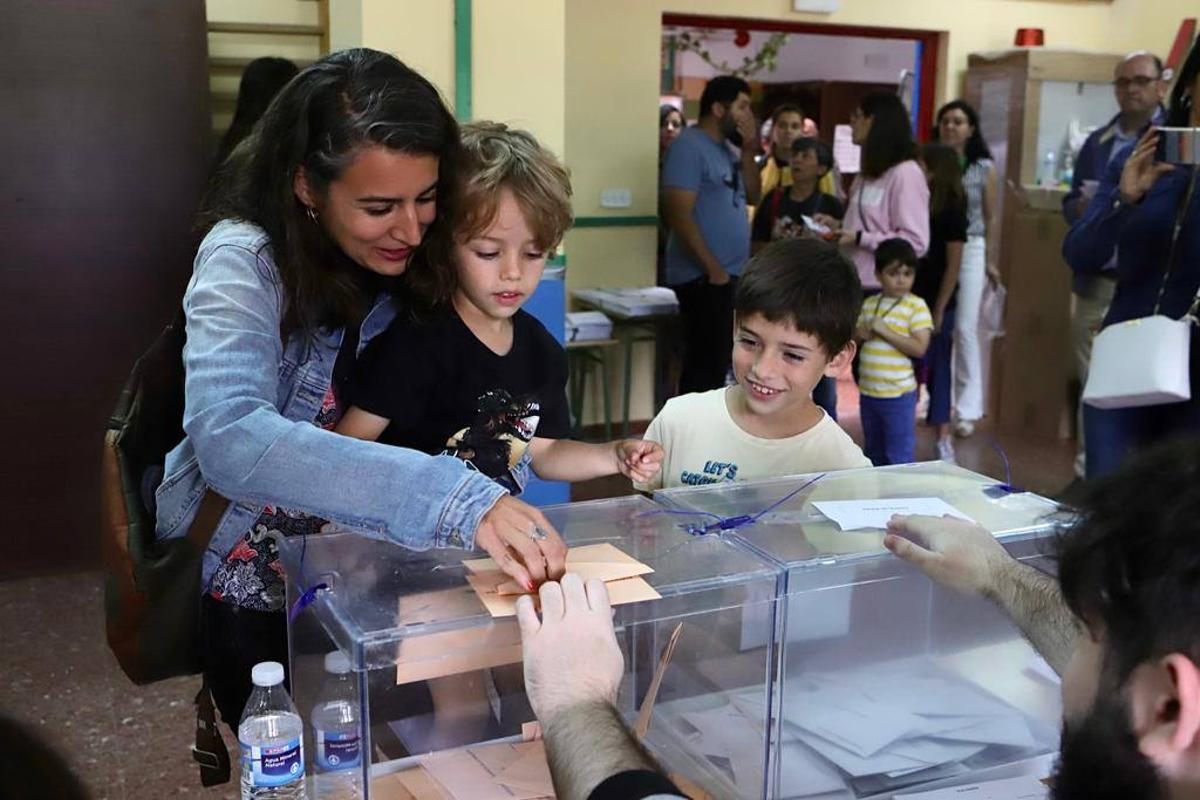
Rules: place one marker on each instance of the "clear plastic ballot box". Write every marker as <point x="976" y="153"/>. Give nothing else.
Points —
<point x="888" y="683"/>
<point x="436" y="679"/>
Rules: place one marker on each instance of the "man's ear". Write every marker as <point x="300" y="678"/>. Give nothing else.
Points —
<point x="303" y="190"/>
<point x="838" y="364"/>
<point x="1164" y="700"/>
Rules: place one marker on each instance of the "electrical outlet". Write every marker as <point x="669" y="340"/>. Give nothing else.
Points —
<point x="615" y="198"/>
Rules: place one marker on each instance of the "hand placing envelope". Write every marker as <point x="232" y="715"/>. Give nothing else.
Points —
<point x="620" y="572"/>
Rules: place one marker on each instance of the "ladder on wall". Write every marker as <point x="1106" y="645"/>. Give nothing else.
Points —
<point x="234" y="44"/>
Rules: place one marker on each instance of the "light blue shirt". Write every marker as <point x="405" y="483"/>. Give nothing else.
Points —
<point x="714" y="172"/>
<point x="250" y="404"/>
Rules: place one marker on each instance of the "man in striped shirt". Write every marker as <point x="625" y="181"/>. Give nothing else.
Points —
<point x="893" y="327"/>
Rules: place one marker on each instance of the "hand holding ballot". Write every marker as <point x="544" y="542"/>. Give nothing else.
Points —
<point x="522" y="542"/>
<point x="571" y="653"/>
<point x="954" y="552"/>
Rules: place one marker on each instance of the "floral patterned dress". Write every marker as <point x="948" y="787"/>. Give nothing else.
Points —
<point x="251" y="575"/>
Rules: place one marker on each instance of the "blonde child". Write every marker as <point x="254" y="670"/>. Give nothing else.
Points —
<point x="894" y="327"/>
<point x="479" y="378"/>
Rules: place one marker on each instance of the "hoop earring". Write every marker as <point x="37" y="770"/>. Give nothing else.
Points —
<point x="312" y="213"/>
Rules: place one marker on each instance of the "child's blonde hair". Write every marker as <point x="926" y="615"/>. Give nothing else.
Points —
<point x="496" y="157"/>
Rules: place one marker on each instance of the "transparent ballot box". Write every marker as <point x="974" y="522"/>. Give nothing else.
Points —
<point x="889" y="683"/>
<point x="436" y="679"/>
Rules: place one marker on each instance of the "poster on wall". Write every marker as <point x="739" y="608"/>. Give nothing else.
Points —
<point x="846" y="154"/>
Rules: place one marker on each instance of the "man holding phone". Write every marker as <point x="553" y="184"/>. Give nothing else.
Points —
<point x="1146" y="214"/>
<point x="709" y="176"/>
<point x="1140" y="88"/>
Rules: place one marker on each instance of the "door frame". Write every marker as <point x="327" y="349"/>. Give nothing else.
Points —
<point x="928" y="42"/>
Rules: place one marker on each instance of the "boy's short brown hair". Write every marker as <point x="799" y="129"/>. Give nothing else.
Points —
<point x="497" y="157"/>
<point x="807" y="283"/>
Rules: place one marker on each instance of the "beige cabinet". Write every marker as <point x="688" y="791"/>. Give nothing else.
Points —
<point x="1030" y="102"/>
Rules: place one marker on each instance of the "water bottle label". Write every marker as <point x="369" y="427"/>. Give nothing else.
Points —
<point x="276" y="765"/>
<point x="338" y="750"/>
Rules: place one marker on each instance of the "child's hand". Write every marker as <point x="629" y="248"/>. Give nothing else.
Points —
<point x="863" y="332"/>
<point x="638" y="459"/>
<point x="879" y="327"/>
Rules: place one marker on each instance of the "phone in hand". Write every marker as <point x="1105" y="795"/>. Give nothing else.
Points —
<point x="1177" y="145"/>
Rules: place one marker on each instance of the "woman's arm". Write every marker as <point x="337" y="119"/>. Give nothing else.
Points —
<point x="991" y="224"/>
<point x="249" y="452"/>
<point x="1092" y="241"/>
<point x="954" y="253"/>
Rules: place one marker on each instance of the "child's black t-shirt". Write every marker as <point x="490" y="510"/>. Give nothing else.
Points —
<point x="779" y="204"/>
<point x="447" y="392"/>
<point x="950" y="225"/>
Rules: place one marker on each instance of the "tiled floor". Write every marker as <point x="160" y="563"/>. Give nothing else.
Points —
<point x="133" y="742"/>
<point x="124" y="741"/>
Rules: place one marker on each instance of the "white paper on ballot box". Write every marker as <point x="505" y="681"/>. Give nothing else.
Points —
<point x="853" y="515"/>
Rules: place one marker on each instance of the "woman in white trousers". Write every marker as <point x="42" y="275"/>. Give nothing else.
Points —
<point x="958" y="126"/>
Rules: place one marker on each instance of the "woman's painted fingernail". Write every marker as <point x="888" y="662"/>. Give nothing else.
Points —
<point x="529" y="586"/>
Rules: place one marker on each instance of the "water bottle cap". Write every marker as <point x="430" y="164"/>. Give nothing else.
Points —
<point x="337" y="663"/>
<point x="268" y="673"/>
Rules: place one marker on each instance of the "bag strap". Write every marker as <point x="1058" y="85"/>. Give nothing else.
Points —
<point x="209" y="751"/>
<point x="1179" y="214"/>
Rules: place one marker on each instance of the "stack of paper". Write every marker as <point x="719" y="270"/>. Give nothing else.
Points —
<point x="901" y="723"/>
<point x="620" y="573"/>
<point x="645" y="301"/>
<point x="587" y="326"/>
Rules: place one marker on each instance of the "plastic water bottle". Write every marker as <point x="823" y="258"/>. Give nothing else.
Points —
<point x="337" y="733"/>
<point x="271" y="735"/>
<point x="1049" y="176"/>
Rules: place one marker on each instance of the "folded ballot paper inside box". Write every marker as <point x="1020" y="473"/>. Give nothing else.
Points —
<point x="588" y="326"/>
<point x="646" y="301"/>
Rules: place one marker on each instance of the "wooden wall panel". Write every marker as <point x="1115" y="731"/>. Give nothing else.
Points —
<point x="104" y="142"/>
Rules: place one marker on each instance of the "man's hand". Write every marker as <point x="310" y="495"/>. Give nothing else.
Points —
<point x="718" y="277"/>
<point x="522" y="542"/>
<point x="1140" y="170"/>
<point x="953" y="552"/>
<point x="748" y="128"/>
<point x="571" y="654"/>
<point x="639" y="459"/>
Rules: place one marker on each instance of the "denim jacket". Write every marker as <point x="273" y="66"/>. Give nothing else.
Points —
<point x="250" y="402"/>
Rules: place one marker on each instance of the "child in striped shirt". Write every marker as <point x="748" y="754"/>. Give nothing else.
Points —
<point x="894" y="327"/>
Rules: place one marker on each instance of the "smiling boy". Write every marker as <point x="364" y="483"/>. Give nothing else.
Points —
<point x="795" y="309"/>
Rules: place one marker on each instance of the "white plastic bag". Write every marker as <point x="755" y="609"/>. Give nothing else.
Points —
<point x="991" y="310"/>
